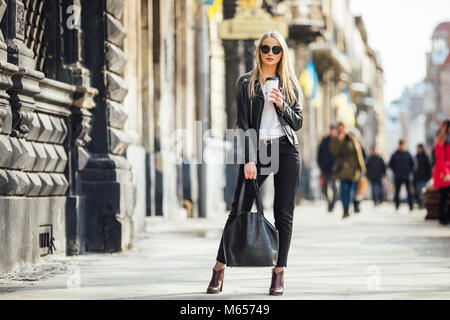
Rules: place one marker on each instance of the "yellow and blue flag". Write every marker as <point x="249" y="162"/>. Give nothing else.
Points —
<point x="310" y="83"/>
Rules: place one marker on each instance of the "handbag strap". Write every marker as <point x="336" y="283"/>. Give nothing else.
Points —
<point x="258" y="198"/>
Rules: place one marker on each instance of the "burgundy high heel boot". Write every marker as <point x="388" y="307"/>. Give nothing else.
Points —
<point x="216" y="283"/>
<point x="277" y="285"/>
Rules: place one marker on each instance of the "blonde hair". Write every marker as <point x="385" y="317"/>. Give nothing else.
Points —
<point x="288" y="79"/>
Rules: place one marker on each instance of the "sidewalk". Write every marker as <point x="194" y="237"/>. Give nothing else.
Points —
<point x="378" y="254"/>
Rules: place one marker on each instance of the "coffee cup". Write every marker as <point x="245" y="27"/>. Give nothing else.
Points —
<point x="271" y="83"/>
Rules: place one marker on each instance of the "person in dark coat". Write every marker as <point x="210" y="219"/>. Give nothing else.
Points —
<point x="376" y="170"/>
<point x="422" y="173"/>
<point x="326" y="160"/>
<point x="402" y="165"/>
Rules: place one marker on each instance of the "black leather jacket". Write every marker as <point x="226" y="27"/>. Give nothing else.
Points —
<point x="249" y="115"/>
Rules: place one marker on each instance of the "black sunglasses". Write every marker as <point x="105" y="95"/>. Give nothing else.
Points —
<point x="275" y="49"/>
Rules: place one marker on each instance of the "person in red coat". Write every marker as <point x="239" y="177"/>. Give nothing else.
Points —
<point x="441" y="170"/>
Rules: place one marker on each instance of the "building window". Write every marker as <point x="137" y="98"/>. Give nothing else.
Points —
<point x="42" y="26"/>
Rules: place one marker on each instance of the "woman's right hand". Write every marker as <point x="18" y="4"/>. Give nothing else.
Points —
<point x="250" y="171"/>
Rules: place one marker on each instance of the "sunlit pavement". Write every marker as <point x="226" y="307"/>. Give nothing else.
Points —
<point x="377" y="254"/>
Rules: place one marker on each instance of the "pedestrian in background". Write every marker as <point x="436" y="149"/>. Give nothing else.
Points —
<point x="441" y="170"/>
<point x="422" y="173"/>
<point x="326" y="160"/>
<point x="402" y="165"/>
<point x="348" y="165"/>
<point x="376" y="170"/>
<point x="361" y="184"/>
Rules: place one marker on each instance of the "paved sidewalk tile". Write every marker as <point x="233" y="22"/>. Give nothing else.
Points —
<point x="377" y="254"/>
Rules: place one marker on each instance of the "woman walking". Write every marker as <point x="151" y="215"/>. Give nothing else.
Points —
<point x="275" y="116"/>
<point x="441" y="170"/>
<point x="348" y="166"/>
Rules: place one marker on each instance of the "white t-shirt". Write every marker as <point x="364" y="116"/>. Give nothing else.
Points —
<point x="270" y="127"/>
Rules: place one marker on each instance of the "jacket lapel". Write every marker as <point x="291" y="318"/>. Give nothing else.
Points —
<point x="257" y="104"/>
<point x="258" y="90"/>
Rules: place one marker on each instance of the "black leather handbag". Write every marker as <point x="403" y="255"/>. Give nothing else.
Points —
<point x="250" y="240"/>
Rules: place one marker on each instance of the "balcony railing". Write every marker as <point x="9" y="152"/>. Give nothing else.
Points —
<point x="307" y="13"/>
<point x="327" y="55"/>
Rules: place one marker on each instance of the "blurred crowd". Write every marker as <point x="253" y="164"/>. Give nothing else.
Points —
<point x="348" y="173"/>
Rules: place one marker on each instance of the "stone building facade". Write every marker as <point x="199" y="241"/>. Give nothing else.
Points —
<point x="65" y="184"/>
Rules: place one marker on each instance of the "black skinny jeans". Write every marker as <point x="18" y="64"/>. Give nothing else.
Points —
<point x="286" y="180"/>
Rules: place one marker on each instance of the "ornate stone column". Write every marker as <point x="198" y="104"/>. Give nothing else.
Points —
<point x="105" y="181"/>
<point x="233" y="63"/>
<point x="72" y="69"/>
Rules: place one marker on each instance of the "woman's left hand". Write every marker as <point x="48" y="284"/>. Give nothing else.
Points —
<point x="277" y="98"/>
